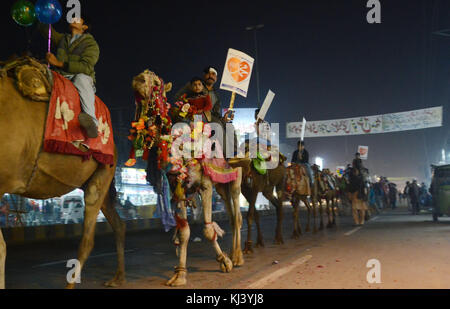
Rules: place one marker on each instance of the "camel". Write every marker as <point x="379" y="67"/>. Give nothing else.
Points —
<point x="230" y="192"/>
<point x="298" y="189"/>
<point x="27" y="171"/>
<point x="317" y="192"/>
<point x="330" y="196"/>
<point x="254" y="183"/>
<point x="354" y="191"/>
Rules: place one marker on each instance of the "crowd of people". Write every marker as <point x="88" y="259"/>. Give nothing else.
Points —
<point x="385" y="194"/>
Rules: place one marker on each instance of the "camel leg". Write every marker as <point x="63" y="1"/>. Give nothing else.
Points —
<point x="209" y="231"/>
<point x="329" y="213"/>
<point x="335" y="210"/>
<point x="297" y="229"/>
<point x="236" y="254"/>
<point x="259" y="239"/>
<point x="233" y="190"/>
<point x="118" y="227"/>
<point x="94" y="197"/>
<point x="314" y="212"/>
<point x="2" y="260"/>
<point x="251" y="198"/>
<point x="268" y="194"/>
<point x="184" y="232"/>
<point x="308" y="207"/>
<point x="319" y="203"/>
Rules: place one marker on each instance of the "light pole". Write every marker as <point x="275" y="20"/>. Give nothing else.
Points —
<point x="446" y="34"/>
<point x="254" y="29"/>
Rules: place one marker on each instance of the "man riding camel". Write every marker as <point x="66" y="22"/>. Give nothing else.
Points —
<point x="301" y="156"/>
<point x="210" y="79"/>
<point x="77" y="53"/>
<point x="215" y="114"/>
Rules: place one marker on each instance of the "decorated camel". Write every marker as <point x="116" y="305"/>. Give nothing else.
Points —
<point x="254" y="182"/>
<point x="297" y="190"/>
<point x="29" y="171"/>
<point x="179" y="176"/>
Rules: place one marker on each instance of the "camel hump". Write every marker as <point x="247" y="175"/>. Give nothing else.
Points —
<point x="33" y="79"/>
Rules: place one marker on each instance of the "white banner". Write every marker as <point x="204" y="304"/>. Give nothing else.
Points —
<point x="237" y="72"/>
<point x="413" y="120"/>
<point x="364" y="152"/>
<point x="266" y="105"/>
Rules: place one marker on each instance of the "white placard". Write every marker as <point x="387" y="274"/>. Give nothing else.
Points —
<point x="266" y="105"/>
<point x="237" y="72"/>
<point x="303" y="129"/>
<point x="364" y="152"/>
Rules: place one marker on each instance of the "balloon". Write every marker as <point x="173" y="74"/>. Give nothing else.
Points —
<point x="48" y="11"/>
<point x="23" y="13"/>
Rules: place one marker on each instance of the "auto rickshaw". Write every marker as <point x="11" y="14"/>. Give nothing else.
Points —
<point x="440" y="189"/>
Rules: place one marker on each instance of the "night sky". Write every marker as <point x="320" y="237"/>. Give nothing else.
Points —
<point x="321" y="58"/>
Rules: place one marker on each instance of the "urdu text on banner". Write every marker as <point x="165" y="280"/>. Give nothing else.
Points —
<point x="396" y="122"/>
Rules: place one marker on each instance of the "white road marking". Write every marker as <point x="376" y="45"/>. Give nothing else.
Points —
<point x="353" y="231"/>
<point x="373" y="219"/>
<point x="91" y="257"/>
<point x="277" y="274"/>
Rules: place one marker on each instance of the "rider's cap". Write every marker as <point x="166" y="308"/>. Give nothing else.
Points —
<point x="209" y="69"/>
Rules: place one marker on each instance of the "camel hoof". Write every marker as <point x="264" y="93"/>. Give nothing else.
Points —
<point x="248" y="248"/>
<point x="295" y="236"/>
<point x="178" y="279"/>
<point x="237" y="259"/>
<point x="260" y="244"/>
<point x="116" y="282"/>
<point x="248" y="251"/>
<point x="70" y="286"/>
<point x="278" y="241"/>
<point x="226" y="265"/>
<point x="307" y="230"/>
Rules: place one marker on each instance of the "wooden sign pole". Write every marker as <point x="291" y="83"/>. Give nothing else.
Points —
<point x="233" y="98"/>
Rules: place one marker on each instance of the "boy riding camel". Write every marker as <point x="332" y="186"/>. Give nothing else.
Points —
<point x="77" y="53"/>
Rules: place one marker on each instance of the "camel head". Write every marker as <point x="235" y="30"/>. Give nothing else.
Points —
<point x="146" y="81"/>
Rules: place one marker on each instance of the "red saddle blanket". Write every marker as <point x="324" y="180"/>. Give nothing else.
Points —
<point x="63" y="129"/>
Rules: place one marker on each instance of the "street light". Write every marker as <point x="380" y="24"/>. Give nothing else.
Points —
<point x="254" y="29"/>
<point x="319" y="162"/>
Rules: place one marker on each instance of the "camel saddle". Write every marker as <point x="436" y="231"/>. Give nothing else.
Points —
<point x="34" y="80"/>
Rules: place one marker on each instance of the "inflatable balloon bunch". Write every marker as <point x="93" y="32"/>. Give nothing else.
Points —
<point x="23" y="13"/>
<point x="47" y="12"/>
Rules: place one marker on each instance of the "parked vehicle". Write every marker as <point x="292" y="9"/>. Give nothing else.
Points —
<point x="440" y="189"/>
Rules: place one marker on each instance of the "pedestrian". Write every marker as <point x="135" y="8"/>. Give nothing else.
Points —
<point x="414" y="196"/>
<point x="378" y="190"/>
<point x="406" y="195"/>
<point x="393" y="195"/>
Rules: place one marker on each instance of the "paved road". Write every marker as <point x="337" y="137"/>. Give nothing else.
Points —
<point x="412" y="250"/>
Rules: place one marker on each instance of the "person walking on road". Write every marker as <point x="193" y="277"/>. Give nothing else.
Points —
<point x="414" y="197"/>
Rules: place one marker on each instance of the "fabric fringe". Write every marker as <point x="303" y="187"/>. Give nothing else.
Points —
<point x="60" y="147"/>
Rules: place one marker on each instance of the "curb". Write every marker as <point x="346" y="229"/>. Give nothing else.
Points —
<point x="34" y="234"/>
